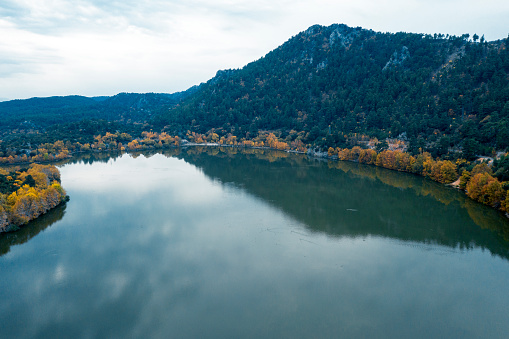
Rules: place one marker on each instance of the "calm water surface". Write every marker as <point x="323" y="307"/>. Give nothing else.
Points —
<point x="219" y="245"/>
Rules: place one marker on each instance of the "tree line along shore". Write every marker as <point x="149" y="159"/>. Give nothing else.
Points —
<point x="485" y="182"/>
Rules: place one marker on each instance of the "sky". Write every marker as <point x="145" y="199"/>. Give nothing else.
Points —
<point x="96" y="48"/>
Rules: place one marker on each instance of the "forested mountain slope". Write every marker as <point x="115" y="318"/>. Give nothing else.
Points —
<point x="41" y="113"/>
<point x="441" y="93"/>
<point x="329" y="86"/>
<point x="38" y="113"/>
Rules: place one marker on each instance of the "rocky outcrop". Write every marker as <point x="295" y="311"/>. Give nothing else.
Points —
<point x="342" y="37"/>
<point x="397" y="58"/>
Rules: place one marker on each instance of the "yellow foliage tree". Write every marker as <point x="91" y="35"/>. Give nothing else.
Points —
<point x="484" y="188"/>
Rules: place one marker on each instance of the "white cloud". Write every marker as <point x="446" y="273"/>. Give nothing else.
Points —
<point x="61" y="47"/>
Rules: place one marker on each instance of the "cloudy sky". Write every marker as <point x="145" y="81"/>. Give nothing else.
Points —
<point x="96" y="47"/>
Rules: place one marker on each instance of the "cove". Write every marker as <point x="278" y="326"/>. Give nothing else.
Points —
<point x="215" y="243"/>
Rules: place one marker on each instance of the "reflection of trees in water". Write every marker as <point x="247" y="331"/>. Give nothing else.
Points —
<point x="104" y="157"/>
<point x="484" y="217"/>
<point x="334" y="197"/>
<point x="322" y="196"/>
<point x="31" y="229"/>
<point x="91" y="157"/>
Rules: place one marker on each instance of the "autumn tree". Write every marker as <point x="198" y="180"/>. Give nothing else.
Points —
<point x="464" y="178"/>
<point x="484" y="188"/>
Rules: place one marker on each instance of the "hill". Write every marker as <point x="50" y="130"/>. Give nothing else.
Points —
<point x="38" y="113"/>
<point x="27" y="124"/>
<point x="333" y="84"/>
<point x="41" y="113"/>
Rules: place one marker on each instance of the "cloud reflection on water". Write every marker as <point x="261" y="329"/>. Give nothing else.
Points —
<point x="151" y="247"/>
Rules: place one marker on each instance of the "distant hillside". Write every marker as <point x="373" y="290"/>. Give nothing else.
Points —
<point x="439" y="92"/>
<point x="41" y="113"/>
<point x="38" y="113"/>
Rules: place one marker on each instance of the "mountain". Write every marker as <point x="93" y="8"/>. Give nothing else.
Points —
<point x="334" y="83"/>
<point x="41" y="113"/>
<point x="334" y="86"/>
<point x="134" y="107"/>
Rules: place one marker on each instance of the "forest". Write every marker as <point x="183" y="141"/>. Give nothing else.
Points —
<point x="405" y="101"/>
<point x="444" y="94"/>
<point x="27" y="193"/>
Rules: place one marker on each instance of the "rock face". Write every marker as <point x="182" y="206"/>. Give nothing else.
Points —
<point x="397" y="58"/>
<point x="342" y="37"/>
<point x="314" y="49"/>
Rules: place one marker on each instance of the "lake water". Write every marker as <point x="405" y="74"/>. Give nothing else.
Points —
<point x="219" y="243"/>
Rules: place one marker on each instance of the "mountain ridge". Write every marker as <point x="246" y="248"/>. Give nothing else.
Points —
<point x="432" y="89"/>
<point x="43" y="112"/>
<point x="328" y="86"/>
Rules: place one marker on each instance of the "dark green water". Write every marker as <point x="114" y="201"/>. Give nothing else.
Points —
<point x="215" y="244"/>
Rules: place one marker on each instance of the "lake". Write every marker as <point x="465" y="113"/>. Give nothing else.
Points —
<point x="223" y="243"/>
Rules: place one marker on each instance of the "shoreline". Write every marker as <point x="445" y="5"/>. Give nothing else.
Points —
<point x="310" y="152"/>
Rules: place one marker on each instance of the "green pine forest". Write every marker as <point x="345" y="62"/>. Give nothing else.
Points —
<point x="328" y="88"/>
<point x="441" y="93"/>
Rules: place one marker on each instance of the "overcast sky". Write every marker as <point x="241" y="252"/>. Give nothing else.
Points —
<point x="95" y="47"/>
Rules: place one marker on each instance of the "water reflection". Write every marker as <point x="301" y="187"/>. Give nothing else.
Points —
<point x="349" y="199"/>
<point x="258" y="244"/>
<point x="336" y="197"/>
<point x="30" y="230"/>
